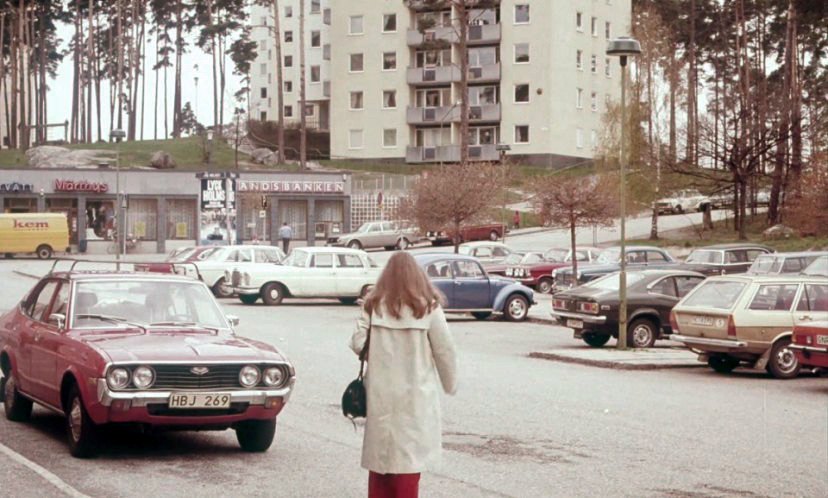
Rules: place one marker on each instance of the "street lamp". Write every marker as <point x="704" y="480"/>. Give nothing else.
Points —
<point x="502" y="149"/>
<point x="117" y="135"/>
<point x="623" y="47"/>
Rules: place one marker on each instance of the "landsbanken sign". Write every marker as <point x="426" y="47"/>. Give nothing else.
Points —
<point x="288" y="187"/>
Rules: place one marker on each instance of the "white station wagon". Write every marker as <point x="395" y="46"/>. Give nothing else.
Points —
<point x="309" y="272"/>
<point x="212" y="268"/>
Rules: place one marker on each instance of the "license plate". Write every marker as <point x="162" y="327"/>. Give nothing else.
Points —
<point x="199" y="400"/>
<point x="706" y="321"/>
<point x="822" y="340"/>
<point x="575" y="324"/>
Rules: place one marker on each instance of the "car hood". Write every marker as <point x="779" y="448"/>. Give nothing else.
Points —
<point x="174" y="345"/>
<point x="585" y="292"/>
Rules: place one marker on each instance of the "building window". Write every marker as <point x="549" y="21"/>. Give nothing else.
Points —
<point x="263" y="116"/>
<point x="356" y="101"/>
<point x="607" y="30"/>
<point x="355" y="25"/>
<point x="579" y="94"/>
<point x="181" y="216"/>
<point x="263" y="69"/>
<point x="579" y="21"/>
<point x="263" y="92"/>
<point x="288" y="61"/>
<point x="309" y="110"/>
<point x="593" y="26"/>
<point x="262" y="46"/>
<point x="522" y="13"/>
<point x="315" y="9"/>
<point x="288" y="11"/>
<point x="389" y="99"/>
<point x="316" y="39"/>
<point x="579" y="138"/>
<point x="579" y="59"/>
<point x="288" y="86"/>
<point x="389" y="137"/>
<point x="288" y="111"/>
<point x="356" y="63"/>
<point x="593" y="64"/>
<point x="269" y="78"/>
<point x="389" y="61"/>
<point x="263" y="21"/>
<point x="288" y="36"/>
<point x="522" y="93"/>
<point x="593" y="101"/>
<point x="315" y="74"/>
<point x="355" y="139"/>
<point x="607" y="67"/>
<point x="521" y="53"/>
<point x="141" y="218"/>
<point x="389" y="23"/>
<point x="522" y="134"/>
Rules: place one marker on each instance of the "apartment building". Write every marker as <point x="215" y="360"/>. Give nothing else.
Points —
<point x="263" y="78"/>
<point x="539" y="79"/>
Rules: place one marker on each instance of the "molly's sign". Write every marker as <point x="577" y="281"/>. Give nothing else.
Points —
<point x="288" y="187"/>
<point x="80" y="186"/>
<point x="16" y="188"/>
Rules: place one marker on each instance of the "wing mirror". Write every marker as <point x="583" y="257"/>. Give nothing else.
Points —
<point x="58" y="318"/>
<point x="234" y="320"/>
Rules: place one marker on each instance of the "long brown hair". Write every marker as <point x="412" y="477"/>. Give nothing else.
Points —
<point x="403" y="284"/>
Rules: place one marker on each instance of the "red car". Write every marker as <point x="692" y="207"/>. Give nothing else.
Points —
<point x="537" y="273"/>
<point x="150" y="349"/>
<point x="492" y="231"/>
<point x="183" y="255"/>
<point x="810" y="344"/>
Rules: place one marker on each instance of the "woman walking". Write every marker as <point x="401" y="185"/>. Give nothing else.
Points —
<point x="410" y="354"/>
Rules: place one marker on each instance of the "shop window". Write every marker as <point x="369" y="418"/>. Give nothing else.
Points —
<point x="295" y="214"/>
<point x="254" y="224"/>
<point x="331" y="215"/>
<point x="20" y="205"/>
<point x="141" y="215"/>
<point x="100" y="219"/>
<point x="181" y="219"/>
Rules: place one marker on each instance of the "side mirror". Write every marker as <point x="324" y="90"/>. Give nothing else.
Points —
<point x="234" y="320"/>
<point x="58" y="318"/>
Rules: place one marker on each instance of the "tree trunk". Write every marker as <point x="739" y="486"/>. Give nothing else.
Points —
<point x="742" y="211"/>
<point x="796" y="109"/>
<point x="303" y="132"/>
<point x="573" y="246"/>
<point x="120" y="65"/>
<point x="157" y="78"/>
<point x="4" y="87"/>
<point x="692" y="106"/>
<point x="673" y="81"/>
<point x="143" y="74"/>
<point x="179" y="48"/>
<point x="280" y="90"/>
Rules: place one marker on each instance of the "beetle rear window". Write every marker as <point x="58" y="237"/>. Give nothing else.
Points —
<point x="717" y="294"/>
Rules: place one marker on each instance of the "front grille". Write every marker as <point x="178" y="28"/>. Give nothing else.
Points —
<point x="236" y="278"/>
<point x="162" y="410"/>
<point x="217" y="377"/>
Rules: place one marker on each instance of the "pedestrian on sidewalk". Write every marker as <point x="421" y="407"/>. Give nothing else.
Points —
<point x="285" y="233"/>
<point x="410" y="354"/>
<point x="516" y="219"/>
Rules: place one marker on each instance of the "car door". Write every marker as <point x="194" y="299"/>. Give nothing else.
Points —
<point x="636" y="259"/>
<point x="471" y="286"/>
<point x="319" y="279"/>
<point x="47" y="341"/>
<point x="266" y="255"/>
<point x="483" y="254"/>
<point x="351" y="275"/>
<point x="656" y="259"/>
<point x="736" y="261"/>
<point x="769" y="313"/>
<point x="389" y="234"/>
<point x="813" y="304"/>
<point x="31" y="334"/>
<point x="372" y="236"/>
<point x="441" y="275"/>
<point x="663" y="295"/>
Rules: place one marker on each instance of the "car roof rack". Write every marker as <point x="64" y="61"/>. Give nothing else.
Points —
<point x="73" y="262"/>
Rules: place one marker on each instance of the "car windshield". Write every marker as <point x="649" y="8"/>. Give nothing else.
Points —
<point x="208" y="253"/>
<point x="297" y="258"/>
<point x="557" y="255"/>
<point x="818" y="267"/>
<point x="765" y="264"/>
<point x="613" y="281"/>
<point x="717" y="294"/>
<point x="144" y="303"/>
<point x="704" y="257"/>
<point x="514" y="258"/>
<point x="610" y="256"/>
<point x="216" y="254"/>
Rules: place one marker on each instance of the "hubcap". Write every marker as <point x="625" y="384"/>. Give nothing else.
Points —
<point x="274" y="293"/>
<point x="641" y="335"/>
<point x="545" y="286"/>
<point x="517" y="308"/>
<point x="786" y="360"/>
<point x="75" y="419"/>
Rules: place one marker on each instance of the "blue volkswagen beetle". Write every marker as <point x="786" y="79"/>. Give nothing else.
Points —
<point x="468" y="289"/>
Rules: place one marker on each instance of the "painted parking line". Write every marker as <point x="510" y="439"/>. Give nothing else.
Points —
<point x="42" y="472"/>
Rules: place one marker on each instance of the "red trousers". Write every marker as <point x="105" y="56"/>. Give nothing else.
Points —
<point x="393" y="485"/>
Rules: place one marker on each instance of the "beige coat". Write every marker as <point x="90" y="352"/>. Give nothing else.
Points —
<point x="408" y="359"/>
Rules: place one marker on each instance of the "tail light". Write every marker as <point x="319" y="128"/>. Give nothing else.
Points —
<point x="674" y="322"/>
<point x="587" y="307"/>
<point x="731" y="327"/>
<point x="559" y="304"/>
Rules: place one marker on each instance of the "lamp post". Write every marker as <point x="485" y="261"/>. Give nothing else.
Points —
<point x="623" y="47"/>
<point x="502" y="149"/>
<point x="117" y="135"/>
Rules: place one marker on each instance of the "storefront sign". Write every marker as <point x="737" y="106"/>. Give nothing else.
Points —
<point x="31" y="225"/>
<point x="81" y="186"/>
<point x="217" y="194"/>
<point x="287" y="187"/>
<point x="16" y="188"/>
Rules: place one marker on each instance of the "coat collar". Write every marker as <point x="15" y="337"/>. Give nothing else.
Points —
<point x="406" y="321"/>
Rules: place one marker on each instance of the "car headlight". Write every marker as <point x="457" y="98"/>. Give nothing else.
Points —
<point x="273" y="376"/>
<point x="246" y="277"/>
<point x="118" y="378"/>
<point x="143" y="377"/>
<point x="554" y="273"/>
<point x="249" y="376"/>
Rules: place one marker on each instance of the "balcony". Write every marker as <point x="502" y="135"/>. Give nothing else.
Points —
<point x="483" y="34"/>
<point x="450" y="153"/>
<point x="439" y="36"/>
<point x="326" y="52"/>
<point x="432" y="115"/>
<point x="438" y="75"/>
<point x="484" y="74"/>
<point x="484" y="113"/>
<point x="326" y="88"/>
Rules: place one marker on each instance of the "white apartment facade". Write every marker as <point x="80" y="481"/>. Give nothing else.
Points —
<point x="263" y="77"/>
<point x="539" y="79"/>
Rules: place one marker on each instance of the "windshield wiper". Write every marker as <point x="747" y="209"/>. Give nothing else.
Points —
<point x="114" y="319"/>
<point x="184" y="324"/>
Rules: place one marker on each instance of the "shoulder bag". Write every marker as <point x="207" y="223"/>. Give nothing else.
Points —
<point x="354" y="399"/>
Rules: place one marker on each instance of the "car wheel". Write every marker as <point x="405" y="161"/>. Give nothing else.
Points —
<point x="516" y="309"/>
<point x="355" y="244"/>
<point x="365" y="291"/>
<point x="783" y="363"/>
<point x="493" y="235"/>
<point x="221" y="289"/>
<point x="348" y="300"/>
<point x="256" y="436"/>
<point x="596" y="340"/>
<point x="403" y="244"/>
<point x="678" y="209"/>
<point x="545" y="285"/>
<point x="44" y="251"/>
<point x="722" y="364"/>
<point x="17" y="408"/>
<point x="82" y="432"/>
<point x="249" y="298"/>
<point x="641" y="333"/>
<point x="273" y="293"/>
<point x="481" y="315"/>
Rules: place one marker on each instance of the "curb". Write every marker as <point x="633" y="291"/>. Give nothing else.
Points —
<point x="27" y="275"/>
<point x="613" y="365"/>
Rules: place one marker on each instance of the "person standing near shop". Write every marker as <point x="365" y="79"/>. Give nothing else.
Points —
<point x="285" y="233"/>
<point x="411" y="357"/>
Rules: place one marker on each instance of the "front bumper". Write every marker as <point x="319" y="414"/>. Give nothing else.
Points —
<point x="246" y="291"/>
<point x="591" y="319"/>
<point x="707" y="343"/>
<point x="811" y="355"/>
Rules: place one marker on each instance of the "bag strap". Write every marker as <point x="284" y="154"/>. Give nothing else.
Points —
<point x="363" y="355"/>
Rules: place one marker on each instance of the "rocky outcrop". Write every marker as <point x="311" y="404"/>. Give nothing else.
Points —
<point x="778" y="232"/>
<point x="50" y="156"/>
<point x="162" y="160"/>
<point x="264" y="156"/>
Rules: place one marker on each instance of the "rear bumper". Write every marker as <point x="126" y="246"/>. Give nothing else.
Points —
<point x="246" y="291"/>
<point x="810" y="355"/>
<point x="707" y="343"/>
